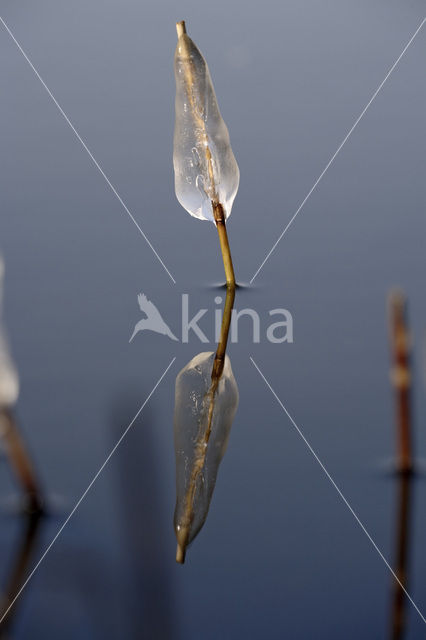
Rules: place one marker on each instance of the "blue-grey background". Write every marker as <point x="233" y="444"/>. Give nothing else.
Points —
<point x="280" y="554"/>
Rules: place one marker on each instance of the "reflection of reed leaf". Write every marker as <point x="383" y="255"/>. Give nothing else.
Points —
<point x="205" y="406"/>
<point x="206" y="400"/>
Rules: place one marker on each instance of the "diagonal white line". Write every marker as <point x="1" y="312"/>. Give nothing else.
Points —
<point x="338" y="490"/>
<point x="89" y="153"/>
<point x="339" y="148"/>
<point x="80" y="500"/>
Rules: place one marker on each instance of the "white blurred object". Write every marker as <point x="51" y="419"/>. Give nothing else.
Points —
<point x="200" y="440"/>
<point x="206" y="171"/>
<point x="9" y="381"/>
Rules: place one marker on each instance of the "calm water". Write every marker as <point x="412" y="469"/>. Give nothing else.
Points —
<point x="280" y="555"/>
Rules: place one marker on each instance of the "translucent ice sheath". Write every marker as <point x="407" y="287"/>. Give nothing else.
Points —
<point x="206" y="172"/>
<point x="15" y="447"/>
<point x="9" y="381"/>
<point x="205" y="404"/>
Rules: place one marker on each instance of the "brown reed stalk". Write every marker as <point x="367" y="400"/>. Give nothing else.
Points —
<point x="401" y="378"/>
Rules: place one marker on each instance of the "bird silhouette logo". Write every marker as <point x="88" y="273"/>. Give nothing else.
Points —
<point x="153" y="320"/>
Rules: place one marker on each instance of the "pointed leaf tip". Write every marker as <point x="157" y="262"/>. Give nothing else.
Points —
<point x="180" y="554"/>
<point x="180" y="28"/>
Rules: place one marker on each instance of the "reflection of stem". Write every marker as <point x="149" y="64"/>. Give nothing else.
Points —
<point x="218" y="213"/>
<point x="204" y="434"/>
<point x="18" y="572"/>
<point x="20" y="461"/>
<point x="402" y="542"/>
<point x="401" y="378"/>
<point x="219" y="359"/>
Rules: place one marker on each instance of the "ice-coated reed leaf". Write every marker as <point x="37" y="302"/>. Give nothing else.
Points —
<point x="206" y="171"/>
<point x="9" y="380"/>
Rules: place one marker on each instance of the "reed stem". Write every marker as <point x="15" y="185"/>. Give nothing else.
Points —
<point x="401" y="378"/>
<point x="21" y="462"/>
<point x="219" y="217"/>
<point x="180" y="28"/>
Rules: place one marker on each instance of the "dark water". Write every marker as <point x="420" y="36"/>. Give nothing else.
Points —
<point x="280" y="554"/>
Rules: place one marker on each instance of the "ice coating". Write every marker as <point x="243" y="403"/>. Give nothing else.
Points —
<point x="198" y="454"/>
<point x="204" y="164"/>
<point x="9" y="382"/>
